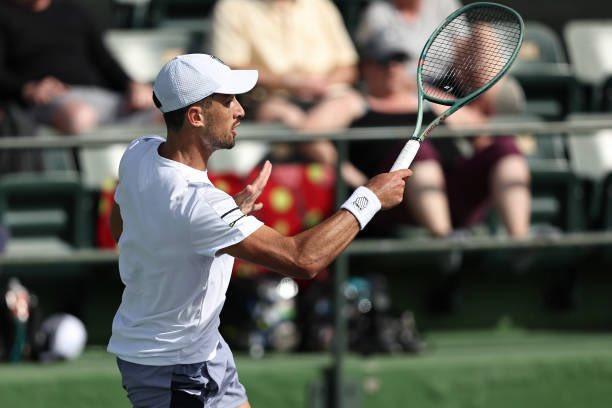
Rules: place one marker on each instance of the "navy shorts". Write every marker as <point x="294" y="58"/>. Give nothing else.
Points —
<point x="212" y="383"/>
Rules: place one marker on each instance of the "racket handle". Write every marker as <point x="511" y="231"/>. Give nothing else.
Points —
<point x="406" y="156"/>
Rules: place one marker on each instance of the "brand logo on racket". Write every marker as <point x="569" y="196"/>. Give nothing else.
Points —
<point x="361" y="203"/>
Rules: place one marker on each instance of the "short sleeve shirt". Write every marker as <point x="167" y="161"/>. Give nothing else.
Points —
<point x="301" y="36"/>
<point x="175" y="222"/>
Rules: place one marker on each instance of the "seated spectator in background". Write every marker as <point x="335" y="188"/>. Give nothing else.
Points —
<point x="306" y="62"/>
<point x="454" y="181"/>
<point x="412" y="22"/>
<point x="53" y="60"/>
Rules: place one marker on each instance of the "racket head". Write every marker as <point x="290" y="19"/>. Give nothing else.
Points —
<point x="468" y="53"/>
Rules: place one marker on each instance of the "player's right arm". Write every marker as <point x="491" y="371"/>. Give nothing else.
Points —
<point x="307" y="253"/>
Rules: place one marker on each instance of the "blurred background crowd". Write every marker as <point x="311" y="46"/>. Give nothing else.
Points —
<point x="85" y="68"/>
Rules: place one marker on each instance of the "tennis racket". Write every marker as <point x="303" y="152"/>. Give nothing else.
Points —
<point x="466" y="55"/>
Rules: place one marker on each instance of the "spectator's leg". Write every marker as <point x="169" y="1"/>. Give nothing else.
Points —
<point x="149" y="116"/>
<point x="426" y="199"/>
<point x="74" y="117"/>
<point x="497" y="174"/>
<point x="80" y="109"/>
<point x="511" y="195"/>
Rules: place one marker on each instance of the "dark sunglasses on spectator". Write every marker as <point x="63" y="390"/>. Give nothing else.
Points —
<point x="398" y="57"/>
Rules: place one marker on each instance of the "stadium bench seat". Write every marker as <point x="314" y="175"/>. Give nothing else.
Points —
<point x="555" y="188"/>
<point x="142" y="53"/>
<point x="607" y="202"/>
<point x="37" y="246"/>
<point x="606" y="97"/>
<point x="186" y="13"/>
<point x="43" y="205"/>
<point x="591" y="160"/>
<point x="589" y="43"/>
<point x="542" y="70"/>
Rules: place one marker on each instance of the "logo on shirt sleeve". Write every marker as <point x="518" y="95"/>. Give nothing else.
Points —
<point x="232" y="216"/>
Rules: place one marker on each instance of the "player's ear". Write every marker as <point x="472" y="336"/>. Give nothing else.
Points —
<point x="195" y="116"/>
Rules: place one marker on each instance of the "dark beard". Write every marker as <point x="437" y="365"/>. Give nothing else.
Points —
<point x="218" y="145"/>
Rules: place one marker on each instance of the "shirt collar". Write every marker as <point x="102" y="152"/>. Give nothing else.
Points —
<point x="190" y="173"/>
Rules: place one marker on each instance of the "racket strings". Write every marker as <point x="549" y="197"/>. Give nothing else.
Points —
<point x="469" y="52"/>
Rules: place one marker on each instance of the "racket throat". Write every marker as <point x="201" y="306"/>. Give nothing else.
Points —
<point x="438" y="121"/>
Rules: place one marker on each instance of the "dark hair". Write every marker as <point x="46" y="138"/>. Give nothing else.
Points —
<point x="175" y="119"/>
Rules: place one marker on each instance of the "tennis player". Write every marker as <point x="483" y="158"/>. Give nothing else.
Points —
<point x="178" y="236"/>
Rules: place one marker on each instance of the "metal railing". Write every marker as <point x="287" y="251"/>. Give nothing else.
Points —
<point x="362" y="247"/>
<point x="111" y="134"/>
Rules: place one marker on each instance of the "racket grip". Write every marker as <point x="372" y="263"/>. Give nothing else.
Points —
<point x="406" y="156"/>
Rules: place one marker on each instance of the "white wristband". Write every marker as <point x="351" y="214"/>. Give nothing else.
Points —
<point x="363" y="204"/>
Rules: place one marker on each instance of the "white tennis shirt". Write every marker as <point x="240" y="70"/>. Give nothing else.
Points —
<point x="174" y="223"/>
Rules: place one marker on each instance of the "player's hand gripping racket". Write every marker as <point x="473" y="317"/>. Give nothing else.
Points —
<point x="468" y="53"/>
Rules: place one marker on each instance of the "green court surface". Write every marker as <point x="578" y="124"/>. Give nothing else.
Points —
<point x="463" y="369"/>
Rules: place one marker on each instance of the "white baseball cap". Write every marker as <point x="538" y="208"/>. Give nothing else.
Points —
<point x="189" y="78"/>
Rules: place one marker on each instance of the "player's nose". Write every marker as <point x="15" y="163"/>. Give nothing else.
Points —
<point x="239" y="111"/>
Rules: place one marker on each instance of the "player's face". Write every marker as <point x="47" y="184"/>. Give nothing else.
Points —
<point x="222" y="119"/>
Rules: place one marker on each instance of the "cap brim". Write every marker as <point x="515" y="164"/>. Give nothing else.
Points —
<point x="398" y="56"/>
<point x="238" y="82"/>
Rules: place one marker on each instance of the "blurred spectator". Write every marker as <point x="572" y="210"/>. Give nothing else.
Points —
<point x="453" y="180"/>
<point x="53" y="60"/>
<point x="306" y="63"/>
<point x="411" y="22"/>
<point x="15" y="121"/>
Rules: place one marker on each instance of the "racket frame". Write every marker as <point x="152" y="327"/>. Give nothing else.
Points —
<point x="458" y="103"/>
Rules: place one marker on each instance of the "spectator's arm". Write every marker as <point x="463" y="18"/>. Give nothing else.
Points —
<point x="343" y="75"/>
<point x="113" y="73"/>
<point x="11" y="85"/>
<point x="271" y="80"/>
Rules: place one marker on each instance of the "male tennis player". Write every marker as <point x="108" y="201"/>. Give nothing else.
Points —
<point x="178" y="236"/>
